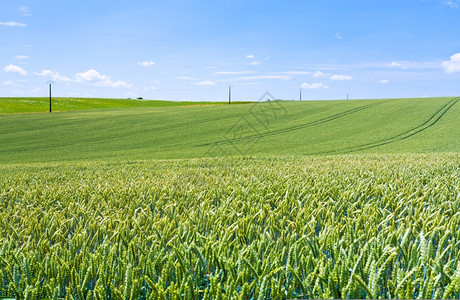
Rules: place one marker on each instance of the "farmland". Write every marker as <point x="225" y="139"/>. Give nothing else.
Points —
<point x="319" y="199"/>
<point x="31" y="105"/>
<point x="270" y="128"/>
<point x="359" y="226"/>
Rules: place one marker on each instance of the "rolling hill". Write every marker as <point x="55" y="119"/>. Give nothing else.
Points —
<point x="290" y="128"/>
<point x="60" y="104"/>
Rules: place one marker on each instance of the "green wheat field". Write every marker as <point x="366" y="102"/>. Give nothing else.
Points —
<point x="129" y="199"/>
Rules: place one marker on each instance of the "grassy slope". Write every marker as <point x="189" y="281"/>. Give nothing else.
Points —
<point x="274" y="128"/>
<point x="20" y="105"/>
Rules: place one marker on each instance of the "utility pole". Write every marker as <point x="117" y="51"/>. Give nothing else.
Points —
<point x="50" y="82"/>
<point x="229" y="94"/>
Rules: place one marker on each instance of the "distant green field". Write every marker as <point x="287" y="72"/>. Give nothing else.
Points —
<point x="271" y="128"/>
<point x="21" y="105"/>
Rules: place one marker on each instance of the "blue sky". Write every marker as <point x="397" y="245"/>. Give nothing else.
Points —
<point x="193" y="50"/>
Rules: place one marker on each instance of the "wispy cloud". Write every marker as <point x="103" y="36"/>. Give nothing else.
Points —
<point x="395" y="65"/>
<point x="341" y="77"/>
<point x="233" y="72"/>
<point x="414" y="65"/>
<point x="254" y="63"/>
<point x="15" y="69"/>
<point x="451" y="3"/>
<point x="405" y="65"/>
<point x="94" y="77"/>
<point x="206" y="82"/>
<point x="25" y="11"/>
<point x="53" y="75"/>
<point x="146" y="63"/>
<point x="452" y="65"/>
<point x="11" y="83"/>
<point x="318" y="74"/>
<point x="248" y="78"/>
<point x="384" y="81"/>
<point x="187" y="78"/>
<point x="293" y="73"/>
<point x="317" y="85"/>
<point x="13" y="24"/>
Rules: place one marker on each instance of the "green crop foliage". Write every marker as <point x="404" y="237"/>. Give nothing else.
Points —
<point x="357" y="226"/>
<point x="128" y="199"/>
<point x="60" y="104"/>
<point x="276" y="128"/>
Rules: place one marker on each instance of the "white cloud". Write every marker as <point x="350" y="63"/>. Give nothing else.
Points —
<point x="384" y="81"/>
<point x="21" y="57"/>
<point x="416" y="65"/>
<point x="10" y="83"/>
<point x="320" y="74"/>
<point x="246" y="78"/>
<point x="187" y="78"/>
<point x="314" y="86"/>
<point x="405" y="65"/>
<point x="341" y="77"/>
<point x="451" y="3"/>
<point x="13" y="24"/>
<point x="452" y="65"/>
<point x="338" y="36"/>
<point x="254" y="63"/>
<point x="233" y="73"/>
<point x="25" y="11"/>
<point x="93" y="77"/>
<point x="294" y="73"/>
<point x="15" y="69"/>
<point x="53" y="75"/>
<point x="207" y="82"/>
<point x="146" y="63"/>
<point x="249" y="83"/>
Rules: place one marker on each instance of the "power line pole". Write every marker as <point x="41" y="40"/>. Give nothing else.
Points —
<point x="50" y="82"/>
<point x="229" y="94"/>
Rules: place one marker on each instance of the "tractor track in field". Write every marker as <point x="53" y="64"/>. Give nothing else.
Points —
<point x="72" y="122"/>
<point x="290" y="129"/>
<point x="118" y="136"/>
<point x="402" y="136"/>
